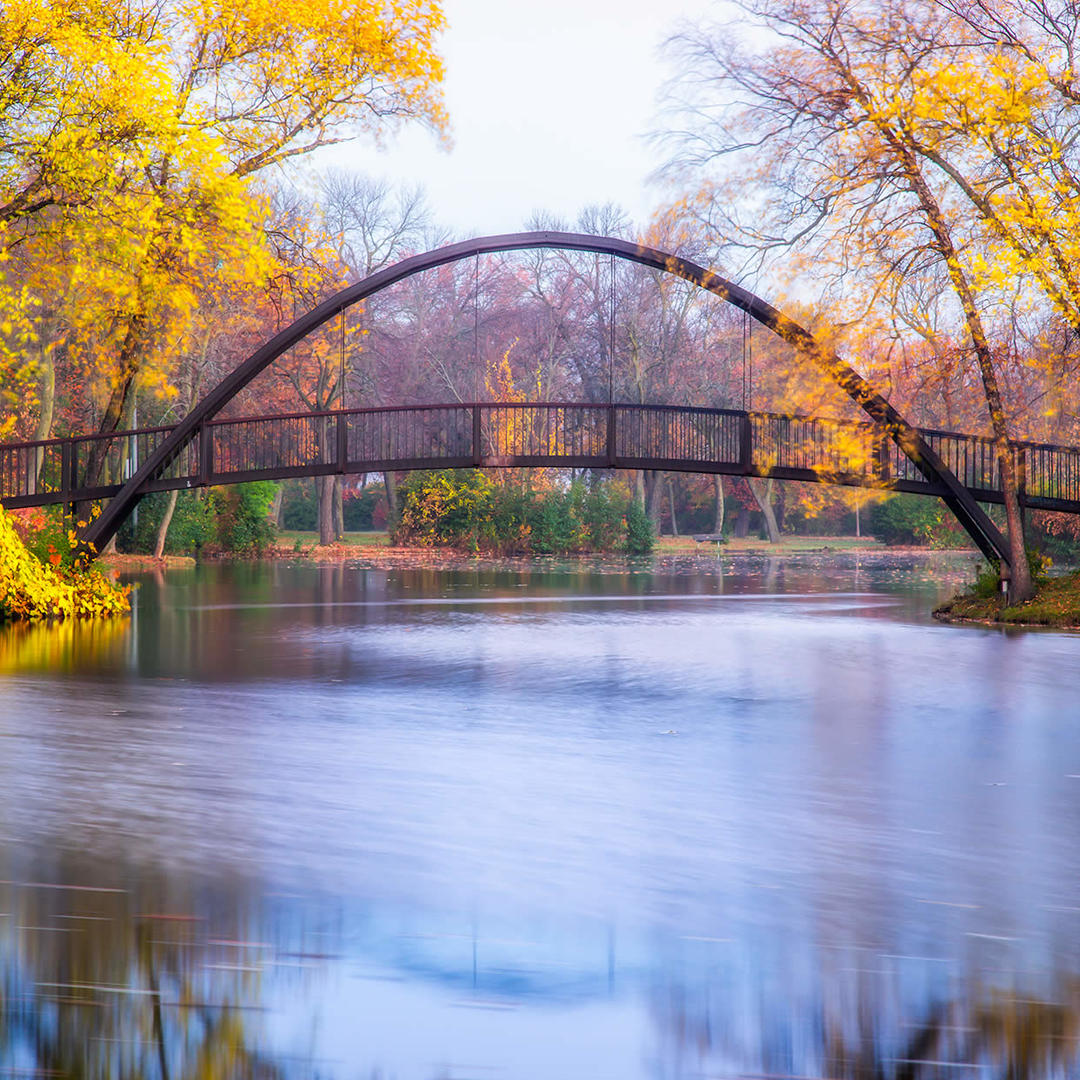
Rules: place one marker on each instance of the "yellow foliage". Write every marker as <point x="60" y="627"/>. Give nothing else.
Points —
<point x="31" y="590"/>
<point x="130" y="134"/>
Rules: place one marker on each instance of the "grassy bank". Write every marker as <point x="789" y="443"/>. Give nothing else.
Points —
<point x="1057" y="603"/>
<point x="294" y="542"/>
<point x="752" y="545"/>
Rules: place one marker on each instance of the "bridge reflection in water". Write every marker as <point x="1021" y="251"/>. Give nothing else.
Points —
<point x="534" y="434"/>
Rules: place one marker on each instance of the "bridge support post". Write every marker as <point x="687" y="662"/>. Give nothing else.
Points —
<point x="476" y="452"/>
<point x="611" y="436"/>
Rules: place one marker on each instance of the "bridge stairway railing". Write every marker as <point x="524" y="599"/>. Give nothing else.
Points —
<point x="526" y="434"/>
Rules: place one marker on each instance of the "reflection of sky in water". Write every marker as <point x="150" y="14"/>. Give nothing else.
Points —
<point x="568" y="823"/>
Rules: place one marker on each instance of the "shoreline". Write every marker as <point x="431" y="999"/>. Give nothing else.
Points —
<point x="1055" y="606"/>
<point x="375" y="550"/>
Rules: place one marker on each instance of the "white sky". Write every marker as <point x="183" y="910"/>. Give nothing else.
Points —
<point x="549" y="105"/>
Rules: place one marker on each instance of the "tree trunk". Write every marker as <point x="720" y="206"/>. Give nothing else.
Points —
<point x="390" y="483"/>
<point x="762" y="493"/>
<point x="339" y="506"/>
<point x="46" y="402"/>
<point x="121" y="398"/>
<point x="274" y="514"/>
<point x="742" y="523"/>
<point x="1018" y="576"/>
<point x="326" y="510"/>
<point x="166" y="521"/>
<point x="718" y="520"/>
<point x="654" y="493"/>
<point x="671" y="504"/>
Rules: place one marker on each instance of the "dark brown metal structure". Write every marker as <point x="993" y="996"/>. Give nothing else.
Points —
<point x="184" y="455"/>
<point x="538" y="434"/>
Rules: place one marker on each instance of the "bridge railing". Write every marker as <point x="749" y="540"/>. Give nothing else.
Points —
<point x="1051" y="472"/>
<point x="524" y="433"/>
<point x="677" y="433"/>
<point x="828" y="448"/>
<point x="541" y="433"/>
<point x="91" y="466"/>
<point x="264" y="444"/>
<point x="972" y="459"/>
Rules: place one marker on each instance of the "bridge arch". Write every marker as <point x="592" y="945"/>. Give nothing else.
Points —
<point x="970" y="514"/>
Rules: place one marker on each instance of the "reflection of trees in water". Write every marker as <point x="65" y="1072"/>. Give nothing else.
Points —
<point x="875" y="1031"/>
<point x="174" y="980"/>
<point x="100" y="982"/>
<point x="60" y="646"/>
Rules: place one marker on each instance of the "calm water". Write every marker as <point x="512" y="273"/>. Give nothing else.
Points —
<point x="698" y="818"/>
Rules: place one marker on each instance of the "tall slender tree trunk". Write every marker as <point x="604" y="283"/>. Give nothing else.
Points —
<point x="326" y="510"/>
<point x="274" y="514"/>
<point x="390" y="483"/>
<point x="654" y="493"/>
<point x="339" y="506"/>
<point x="46" y="406"/>
<point x="718" y="520"/>
<point x="1018" y="577"/>
<point x="121" y="397"/>
<point x="166" y="521"/>
<point x="762" y="492"/>
<point x="671" y="505"/>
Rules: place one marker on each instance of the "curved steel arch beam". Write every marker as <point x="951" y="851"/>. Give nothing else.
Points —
<point x="960" y="501"/>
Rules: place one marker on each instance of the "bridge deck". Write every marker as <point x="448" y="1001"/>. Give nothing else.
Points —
<point x="679" y="438"/>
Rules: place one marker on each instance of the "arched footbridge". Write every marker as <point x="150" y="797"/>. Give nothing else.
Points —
<point x="204" y="449"/>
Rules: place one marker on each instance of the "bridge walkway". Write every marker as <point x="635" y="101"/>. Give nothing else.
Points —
<point x="534" y="434"/>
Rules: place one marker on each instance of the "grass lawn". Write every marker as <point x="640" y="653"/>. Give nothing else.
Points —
<point x="789" y="545"/>
<point x="288" y="538"/>
<point x="665" y="545"/>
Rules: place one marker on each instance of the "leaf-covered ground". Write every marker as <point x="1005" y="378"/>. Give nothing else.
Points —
<point x="1057" y="603"/>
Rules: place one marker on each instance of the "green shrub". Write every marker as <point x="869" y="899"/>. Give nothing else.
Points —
<point x="602" y="516"/>
<point x="554" y="529"/>
<point x="640" y="535"/>
<point x="231" y="519"/>
<point x="243" y="521"/>
<point x="450" y="507"/>
<point x="917" y="520"/>
<point x="299" y="506"/>
<point x="467" y="509"/>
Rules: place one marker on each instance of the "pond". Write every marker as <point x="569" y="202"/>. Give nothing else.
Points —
<point x="673" y="818"/>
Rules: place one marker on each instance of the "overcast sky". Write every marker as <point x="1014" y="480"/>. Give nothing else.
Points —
<point x="549" y="105"/>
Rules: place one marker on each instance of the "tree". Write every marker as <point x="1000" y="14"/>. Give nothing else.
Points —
<point x="131" y="132"/>
<point x="895" y="141"/>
